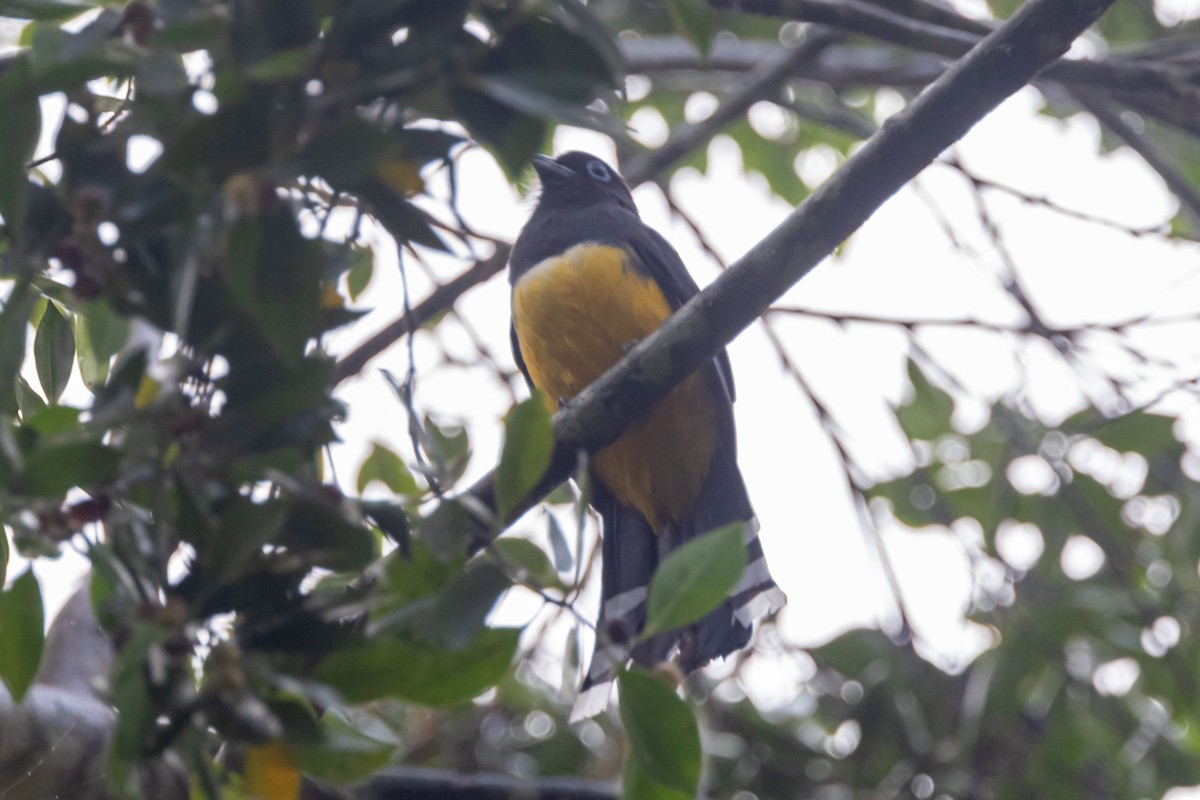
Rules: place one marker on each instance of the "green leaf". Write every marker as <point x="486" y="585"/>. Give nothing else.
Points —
<point x="386" y="467"/>
<point x="927" y="415"/>
<point x="519" y="92"/>
<point x="3" y="557"/>
<point x="54" y="352"/>
<point x="531" y="559"/>
<point x="392" y="519"/>
<point x="1139" y="432"/>
<point x="694" y="20"/>
<point x="390" y="667"/>
<point x="43" y="9"/>
<point x="28" y="400"/>
<point x="100" y="333"/>
<point x="22" y="115"/>
<point x="695" y="578"/>
<point x="21" y="633"/>
<point x="528" y="447"/>
<point x="14" y="319"/>
<point x="662" y="731"/>
<point x="50" y="471"/>
<point x="354" y="744"/>
<point x="358" y="277"/>
<point x="637" y="784"/>
<point x="449" y="448"/>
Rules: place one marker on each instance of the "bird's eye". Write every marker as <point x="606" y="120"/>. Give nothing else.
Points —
<point x="598" y="171"/>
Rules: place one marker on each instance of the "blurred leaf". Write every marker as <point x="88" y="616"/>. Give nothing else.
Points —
<point x="53" y="469"/>
<point x="927" y="415"/>
<point x="358" y="277"/>
<point x="44" y="9"/>
<point x="563" y="560"/>
<point x="694" y="19"/>
<point x="50" y="420"/>
<point x="695" y="578"/>
<point x="1138" y="432"/>
<point x="531" y="559"/>
<point x="528" y="447"/>
<point x="662" y="731"/>
<point x="354" y="744"/>
<point x="390" y="667"/>
<point x="100" y="333"/>
<point x="524" y="93"/>
<point x="456" y="617"/>
<point x="28" y="400"/>
<point x="448" y="448"/>
<point x="386" y="467"/>
<point x="3" y="558"/>
<point x="392" y="519"/>
<point x="13" y="330"/>
<point x="23" y="124"/>
<point x="637" y="784"/>
<point x="54" y="352"/>
<point x="21" y="633"/>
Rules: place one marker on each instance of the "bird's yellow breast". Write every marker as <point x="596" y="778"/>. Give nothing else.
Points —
<point x="575" y="316"/>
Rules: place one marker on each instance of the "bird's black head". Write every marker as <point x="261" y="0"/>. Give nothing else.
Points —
<point x="580" y="179"/>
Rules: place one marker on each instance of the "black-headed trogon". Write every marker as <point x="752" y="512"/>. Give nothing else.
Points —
<point x="589" y="280"/>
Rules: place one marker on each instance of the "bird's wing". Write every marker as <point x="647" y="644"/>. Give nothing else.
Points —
<point x="656" y="257"/>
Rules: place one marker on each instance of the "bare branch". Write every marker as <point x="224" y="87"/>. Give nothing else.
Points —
<point x="439" y="301"/>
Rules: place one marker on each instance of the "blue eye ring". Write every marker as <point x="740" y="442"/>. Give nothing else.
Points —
<point x="598" y="171"/>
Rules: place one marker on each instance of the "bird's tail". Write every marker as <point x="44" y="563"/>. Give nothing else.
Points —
<point x="632" y="551"/>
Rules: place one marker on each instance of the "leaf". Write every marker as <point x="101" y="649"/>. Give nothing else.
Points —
<point x="28" y="400"/>
<point x="354" y="744"/>
<point x="459" y="611"/>
<point x="662" y="731"/>
<point x="693" y="19"/>
<point x="927" y="415"/>
<point x="695" y="578"/>
<point x="563" y="559"/>
<point x="392" y="520"/>
<point x="362" y="267"/>
<point x="50" y="471"/>
<point x="13" y="329"/>
<point x="43" y="9"/>
<point x="391" y="667"/>
<point x="386" y="467"/>
<point x="21" y="633"/>
<point x="1139" y="432"/>
<point x="3" y="557"/>
<point x="100" y="333"/>
<point x="54" y="352"/>
<point x="22" y="115"/>
<point x="530" y="558"/>
<point x="637" y="784"/>
<point x="520" y="93"/>
<point x="528" y="447"/>
<point x="449" y="448"/>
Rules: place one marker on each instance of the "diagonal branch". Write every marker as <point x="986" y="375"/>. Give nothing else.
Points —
<point x="441" y="299"/>
<point x="1006" y="60"/>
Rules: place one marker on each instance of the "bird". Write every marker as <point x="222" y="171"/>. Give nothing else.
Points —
<point x="589" y="280"/>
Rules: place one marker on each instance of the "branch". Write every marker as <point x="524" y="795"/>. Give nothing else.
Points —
<point x="1179" y="184"/>
<point x="763" y="83"/>
<point x="441" y="299"/>
<point x="1038" y="33"/>
<point x="438" y="784"/>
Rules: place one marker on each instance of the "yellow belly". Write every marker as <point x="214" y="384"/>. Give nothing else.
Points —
<point x="575" y="316"/>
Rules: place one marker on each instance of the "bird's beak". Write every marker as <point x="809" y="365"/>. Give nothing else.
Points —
<point x="548" y="169"/>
